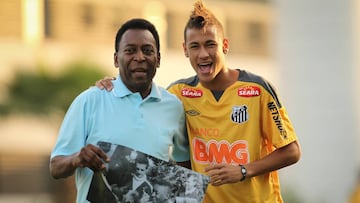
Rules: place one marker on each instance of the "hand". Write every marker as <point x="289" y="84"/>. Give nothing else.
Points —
<point x="105" y="83"/>
<point x="92" y="157"/>
<point x="223" y="174"/>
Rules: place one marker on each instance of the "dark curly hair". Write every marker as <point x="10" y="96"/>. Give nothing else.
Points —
<point x="137" y="23"/>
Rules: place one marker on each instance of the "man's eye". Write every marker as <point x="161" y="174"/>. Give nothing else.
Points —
<point x="211" y="45"/>
<point x="194" y="46"/>
<point x="148" y="51"/>
<point x="129" y="50"/>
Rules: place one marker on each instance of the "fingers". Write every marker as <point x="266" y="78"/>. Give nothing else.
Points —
<point x="92" y="157"/>
<point x="216" y="174"/>
<point x="223" y="174"/>
<point x="99" y="85"/>
<point x="109" y="78"/>
<point x="105" y="83"/>
<point x="214" y="166"/>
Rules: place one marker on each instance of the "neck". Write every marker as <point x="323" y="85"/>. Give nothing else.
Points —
<point x="145" y="93"/>
<point x="223" y="80"/>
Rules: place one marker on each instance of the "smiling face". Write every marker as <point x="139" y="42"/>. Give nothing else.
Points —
<point x="137" y="60"/>
<point x="206" y="50"/>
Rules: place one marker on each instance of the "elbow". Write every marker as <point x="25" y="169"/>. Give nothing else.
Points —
<point x="55" y="176"/>
<point x="53" y="171"/>
<point x="295" y="153"/>
<point x="296" y="157"/>
<point x="56" y="168"/>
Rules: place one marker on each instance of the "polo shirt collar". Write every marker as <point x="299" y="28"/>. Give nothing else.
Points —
<point x="120" y="90"/>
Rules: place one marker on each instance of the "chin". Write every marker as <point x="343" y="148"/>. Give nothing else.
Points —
<point x="206" y="76"/>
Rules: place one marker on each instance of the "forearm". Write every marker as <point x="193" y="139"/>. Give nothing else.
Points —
<point x="278" y="159"/>
<point x="186" y="164"/>
<point x="62" y="166"/>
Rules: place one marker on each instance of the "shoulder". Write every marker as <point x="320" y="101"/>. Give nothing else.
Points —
<point x="90" y="95"/>
<point x="91" y="92"/>
<point x="178" y="86"/>
<point x="247" y="76"/>
<point x="191" y="81"/>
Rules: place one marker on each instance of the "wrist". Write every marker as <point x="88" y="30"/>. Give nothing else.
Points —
<point x="243" y="172"/>
<point x="74" y="161"/>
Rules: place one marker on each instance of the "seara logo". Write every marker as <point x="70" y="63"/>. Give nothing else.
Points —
<point x="191" y="93"/>
<point x="249" y="91"/>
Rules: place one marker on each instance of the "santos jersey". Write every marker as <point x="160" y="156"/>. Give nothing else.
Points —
<point x="246" y="123"/>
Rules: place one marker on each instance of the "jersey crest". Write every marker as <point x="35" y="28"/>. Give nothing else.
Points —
<point x="239" y="114"/>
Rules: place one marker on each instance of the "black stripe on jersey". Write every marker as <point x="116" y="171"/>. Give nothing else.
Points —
<point x="191" y="81"/>
<point x="246" y="76"/>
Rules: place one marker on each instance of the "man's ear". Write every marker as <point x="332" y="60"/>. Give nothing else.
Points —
<point x="185" y="50"/>
<point x="158" y="61"/>
<point x="226" y="45"/>
<point x="116" y="64"/>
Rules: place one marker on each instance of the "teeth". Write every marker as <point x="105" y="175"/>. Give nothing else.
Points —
<point x="205" y="64"/>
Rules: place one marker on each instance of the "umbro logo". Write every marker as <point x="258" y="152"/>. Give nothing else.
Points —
<point x="192" y="112"/>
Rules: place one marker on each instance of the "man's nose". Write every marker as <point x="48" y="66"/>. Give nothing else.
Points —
<point x="139" y="56"/>
<point x="203" y="52"/>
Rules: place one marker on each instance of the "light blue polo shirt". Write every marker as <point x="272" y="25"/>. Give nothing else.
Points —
<point x="149" y="125"/>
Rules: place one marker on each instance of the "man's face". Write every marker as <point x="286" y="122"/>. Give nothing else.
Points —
<point x="137" y="59"/>
<point x="205" y="49"/>
<point x="140" y="170"/>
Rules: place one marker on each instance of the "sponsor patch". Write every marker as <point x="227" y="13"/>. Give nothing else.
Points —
<point x="277" y="119"/>
<point x="239" y="114"/>
<point x="221" y="151"/>
<point x="191" y="93"/>
<point x="249" y="91"/>
<point x="205" y="132"/>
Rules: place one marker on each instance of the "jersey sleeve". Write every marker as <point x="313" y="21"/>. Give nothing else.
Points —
<point x="277" y="126"/>
<point x="173" y="90"/>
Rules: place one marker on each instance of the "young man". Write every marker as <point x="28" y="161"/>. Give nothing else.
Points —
<point x="239" y="132"/>
<point x="123" y="116"/>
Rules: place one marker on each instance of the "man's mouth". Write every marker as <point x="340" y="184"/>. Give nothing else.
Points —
<point x="139" y="72"/>
<point x="205" y="68"/>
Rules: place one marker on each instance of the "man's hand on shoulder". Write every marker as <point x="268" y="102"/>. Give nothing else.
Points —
<point x="105" y="83"/>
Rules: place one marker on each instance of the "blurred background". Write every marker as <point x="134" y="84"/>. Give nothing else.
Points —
<point x="51" y="50"/>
